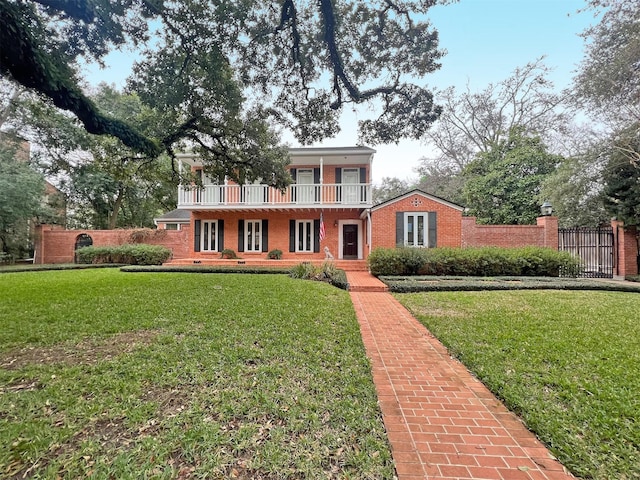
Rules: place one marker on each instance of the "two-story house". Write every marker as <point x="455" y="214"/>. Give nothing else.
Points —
<point x="325" y="209"/>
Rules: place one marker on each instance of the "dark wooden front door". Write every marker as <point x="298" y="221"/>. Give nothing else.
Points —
<point x="350" y="241"/>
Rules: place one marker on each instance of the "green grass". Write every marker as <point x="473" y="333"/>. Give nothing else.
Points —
<point x="567" y="362"/>
<point x="172" y="375"/>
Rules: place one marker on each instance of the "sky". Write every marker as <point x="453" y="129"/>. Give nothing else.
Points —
<point x="485" y="40"/>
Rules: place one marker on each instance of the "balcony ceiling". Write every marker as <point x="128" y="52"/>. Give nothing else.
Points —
<point x="311" y="156"/>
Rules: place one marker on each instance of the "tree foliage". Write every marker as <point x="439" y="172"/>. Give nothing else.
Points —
<point x="474" y="122"/>
<point x="503" y="184"/>
<point x="609" y="76"/>
<point x="575" y="190"/>
<point x="221" y="75"/>
<point x="389" y="188"/>
<point x="21" y="191"/>
<point x="622" y="177"/>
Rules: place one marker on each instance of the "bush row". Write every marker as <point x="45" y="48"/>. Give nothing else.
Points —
<point x="130" y="254"/>
<point x="480" y="262"/>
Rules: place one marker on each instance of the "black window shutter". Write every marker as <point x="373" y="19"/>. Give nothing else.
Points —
<point x="294" y="190"/>
<point x="316" y="180"/>
<point x="363" y="175"/>
<point x="220" y="235"/>
<point x="292" y="235"/>
<point x="399" y="229"/>
<point x="196" y="235"/>
<point x="265" y="235"/>
<point x="338" y="175"/>
<point x="316" y="235"/>
<point x="241" y="235"/>
<point x="363" y="180"/>
<point x="339" y="188"/>
<point x="433" y="227"/>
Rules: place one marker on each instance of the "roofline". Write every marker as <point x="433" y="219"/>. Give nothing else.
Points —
<point x="419" y="192"/>
<point x="312" y="151"/>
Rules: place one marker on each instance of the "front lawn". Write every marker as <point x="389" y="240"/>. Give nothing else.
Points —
<point x="567" y="362"/>
<point x="172" y="375"/>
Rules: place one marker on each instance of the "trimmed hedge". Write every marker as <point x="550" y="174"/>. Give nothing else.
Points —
<point x="477" y="262"/>
<point x="130" y="254"/>
<point x="399" y="284"/>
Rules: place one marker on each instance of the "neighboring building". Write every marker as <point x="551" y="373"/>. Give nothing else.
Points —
<point x="177" y="219"/>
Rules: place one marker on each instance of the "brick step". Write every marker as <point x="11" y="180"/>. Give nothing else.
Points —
<point x="347" y="265"/>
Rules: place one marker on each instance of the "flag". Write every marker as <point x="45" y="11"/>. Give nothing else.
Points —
<point x="323" y="232"/>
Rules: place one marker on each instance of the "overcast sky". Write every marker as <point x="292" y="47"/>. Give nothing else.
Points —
<point x="485" y="41"/>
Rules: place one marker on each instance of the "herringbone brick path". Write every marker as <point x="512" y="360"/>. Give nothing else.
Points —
<point x="441" y="421"/>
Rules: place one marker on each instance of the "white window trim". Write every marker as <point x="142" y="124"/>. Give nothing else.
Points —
<point x="309" y="224"/>
<point x="248" y="246"/>
<point x="425" y="229"/>
<point x="307" y="171"/>
<point x="204" y="238"/>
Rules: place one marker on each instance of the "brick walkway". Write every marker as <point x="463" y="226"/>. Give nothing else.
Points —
<point x="441" y="421"/>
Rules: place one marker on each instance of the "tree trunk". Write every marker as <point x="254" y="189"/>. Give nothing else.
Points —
<point x="113" y="217"/>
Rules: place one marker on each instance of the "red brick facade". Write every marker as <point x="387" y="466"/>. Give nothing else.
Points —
<point x="384" y="219"/>
<point x="278" y="231"/>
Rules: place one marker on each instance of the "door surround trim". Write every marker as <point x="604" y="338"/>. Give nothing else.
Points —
<point x="359" y="223"/>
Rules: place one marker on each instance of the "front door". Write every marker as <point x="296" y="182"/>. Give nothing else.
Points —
<point x="350" y="242"/>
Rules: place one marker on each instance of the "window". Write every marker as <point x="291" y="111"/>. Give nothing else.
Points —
<point x="253" y="235"/>
<point x="304" y="236"/>
<point x="209" y="236"/>
<point x="416" y="225"/>
<point x="305" y="187"/>
<point x="171" y="226"/>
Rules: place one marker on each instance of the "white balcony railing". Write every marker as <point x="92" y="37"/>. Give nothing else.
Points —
<point x="257" y="195"/>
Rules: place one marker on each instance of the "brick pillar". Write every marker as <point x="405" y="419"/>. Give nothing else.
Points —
<point x="468" y="236"/>
<point x="550" y="232"/>
<point x="626" y="244"/>
<point x="38" y="242"/>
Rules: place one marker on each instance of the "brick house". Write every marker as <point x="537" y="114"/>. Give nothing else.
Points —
<point x="330" y="193"/>
<point x="324" y="211"/>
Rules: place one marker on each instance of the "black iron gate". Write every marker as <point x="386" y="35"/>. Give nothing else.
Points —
<point x="594" y="247"/>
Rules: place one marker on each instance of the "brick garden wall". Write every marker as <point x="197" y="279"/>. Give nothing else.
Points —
<point x="543" y="234"/>
<point x="56" y="245"/>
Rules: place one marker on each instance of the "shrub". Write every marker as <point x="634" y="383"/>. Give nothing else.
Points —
<point x="482" y="262"/>
<point x="328" y="272"/>
<point x="228" y="253"/>
<point x="275" y="254"/>
<point x="130" y="254"/>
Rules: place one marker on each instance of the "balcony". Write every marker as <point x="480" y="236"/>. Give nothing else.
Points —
<point x="339" y="195"/>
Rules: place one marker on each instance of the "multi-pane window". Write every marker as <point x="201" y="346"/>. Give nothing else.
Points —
<point x="304" y="236"/>
<point x="415" y="229"/>
<point x="209" y="236"/>
<point x="253" y="235"/>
